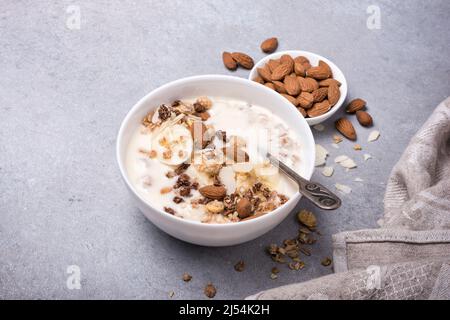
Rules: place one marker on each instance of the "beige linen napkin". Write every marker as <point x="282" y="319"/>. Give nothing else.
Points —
<point x="409" y="256"/>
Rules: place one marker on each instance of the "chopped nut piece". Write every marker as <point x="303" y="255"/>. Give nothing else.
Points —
<point x="307" y="218"/>
<point x="326" y="262"/>
<point x="328" y="171"/>
<point x="296" y="265"/>
<point x="374" y="135"/>
<point x="240" y="266"/>
<point x="367" y="156"/>
<point x="210" y="290"/>
<point x="357" y="147"/>
<point x="186" y="277"/>
<point x="165" y="190"/>
<point x="205" y="102"/>
<point x="215" y="206"/>
<point x="321" y="155"/>
<point x="273" y="276"/>
<point x="169" y="210"/>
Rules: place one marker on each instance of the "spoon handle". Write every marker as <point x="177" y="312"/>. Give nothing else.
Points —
<point x="315" y="192"/>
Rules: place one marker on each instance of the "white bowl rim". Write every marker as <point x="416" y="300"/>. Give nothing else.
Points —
<point x="261" y="219"/>
<point x="296" y="53"/>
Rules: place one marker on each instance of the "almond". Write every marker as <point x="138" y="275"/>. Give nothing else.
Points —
<point x="228" y="61"/>
<point x="302" y="111"/>
<point x="281" y="71"/>
<point x="244" y="60"/>
<point x="320" y="94"/>
<point x="327" y="82"/>
<point x="364" y="118"/>
<point x="259" y="79"/>
<point x="270" y="85"/>
<point x="344" y="126"/>
<point x="273" y="64"/>
<point x="269" y="45"/>
<point x="305" y="100"/>
<point x="244" y="208"/>
<point x="318" y="73"/>
<point x="287" y="60"/>
<point x="355" y="105"/>
<point x="279" y="87"/>
<point x="213" y="192"/>
<point x="264" y="74"/>
<point x="291" y="85"/>
<point x="302" y="60"/>
<point x="291" y="99"/>
<point x="319" y="108"/>
<point x="299" y="69"/>
<point x="308" y="84"/>
<point x="325" y="65"/>
<point x="333" y="94"/>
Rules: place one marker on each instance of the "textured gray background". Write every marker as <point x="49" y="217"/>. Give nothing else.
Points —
<point x="63" y="94"/>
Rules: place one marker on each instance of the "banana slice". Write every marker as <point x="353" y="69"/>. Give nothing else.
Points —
<point x="173" y="145"/>
<point x="268" y="174"/>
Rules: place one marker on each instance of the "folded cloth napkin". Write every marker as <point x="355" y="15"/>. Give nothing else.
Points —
<point x="409" y="256"/>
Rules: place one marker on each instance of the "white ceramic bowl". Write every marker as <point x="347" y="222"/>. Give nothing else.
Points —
<point x="314" y="59"/>
<point x="219" y="86"/>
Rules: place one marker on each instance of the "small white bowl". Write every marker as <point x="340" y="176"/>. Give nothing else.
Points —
<point x="314" y="59"/>
<point x="216" y="86"/>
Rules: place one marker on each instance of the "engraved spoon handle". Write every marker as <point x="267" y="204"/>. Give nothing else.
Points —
<point x="315" y="192"/>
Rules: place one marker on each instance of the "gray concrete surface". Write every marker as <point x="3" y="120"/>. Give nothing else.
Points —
<point x="63" y="94"/>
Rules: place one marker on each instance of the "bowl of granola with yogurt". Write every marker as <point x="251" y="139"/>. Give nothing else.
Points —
<point x="192" y="155"/>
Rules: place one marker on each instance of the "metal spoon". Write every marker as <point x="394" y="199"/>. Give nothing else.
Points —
<point x="315" y="192"/>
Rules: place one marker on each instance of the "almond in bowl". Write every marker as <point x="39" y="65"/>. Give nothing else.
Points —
<point x="312" y="83"/>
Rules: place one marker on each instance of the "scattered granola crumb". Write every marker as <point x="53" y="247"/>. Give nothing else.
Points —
<point x="187" y="277"/>
<point x="297" y="265"/>
<point x="273" y="276"/>
<point x="326" y="262"/>
<point x="307" y="218"/>
<point x="374" y="135"/>
<point x="210" y="291"/>
<point x="343" y="188"/>
<point x="240" y="266"/>
<point x="328" y="171"/>
<point x="357" y="147"/>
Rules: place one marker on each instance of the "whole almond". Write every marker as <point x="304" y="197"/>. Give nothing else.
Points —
<point x="333" y="94"/>
<point x="327" y="82"/>
<point x="301" y="59"/>
<point x="270" y="85"/>
<point x="213" y="192"/>
<point x="244" y="60"/>
<point x="279" y="87"/>
<point x="264" y="74"/>
<point x="281" y="71"/>
<point x="269" y="45"/>
<point x="273" y="64"/>
<point x="228" y="61"/>
<point x="325" y="65"/>
<point x="305" y="100"/>
<point x="318" y="73"/>
<point x="291" y="85"/>
<point x="308" y="84"/>
<point x="344" y="126"/>
<point x="288" y="60"/>
<point x="303" y="112"/>
<point x="320" y="94"/>
<point x="364" y="118"/>
<point x="291" y="99"/>
<point x="355" y="105"/>
<point x="259" y="79"/>
<point x="299" y="69"/>
<point x="244" y="208"/>
<point x="319" y="108"/>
